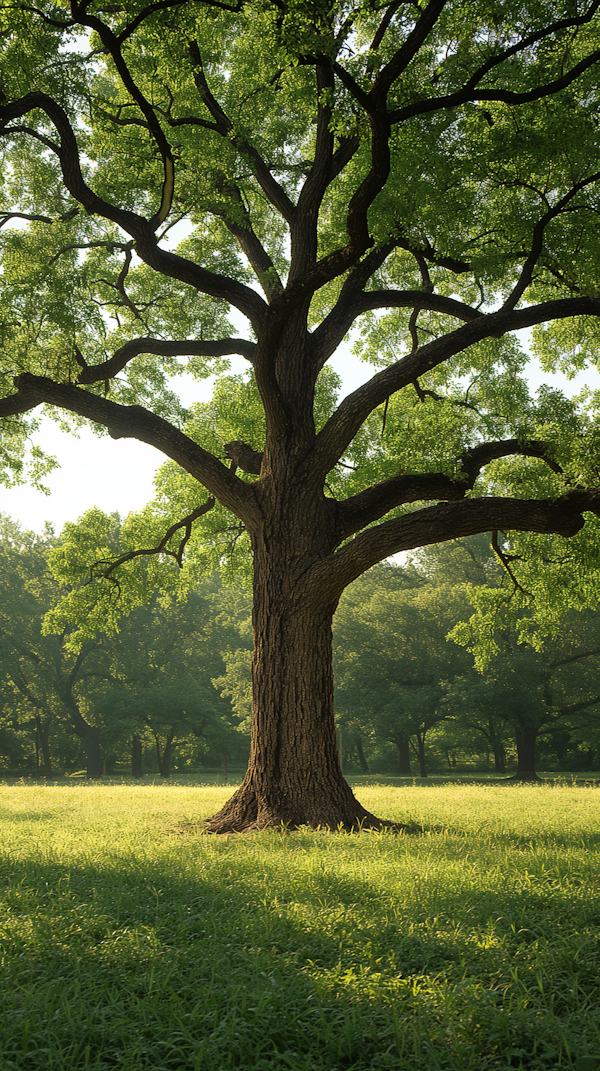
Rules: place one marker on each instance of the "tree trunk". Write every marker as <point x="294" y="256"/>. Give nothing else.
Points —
<point x="403" y="745"/>
<point x="499" y="758"/>
<point x="361" y="755"/>
<point x="420" y="752"/>
<point x="93" y="754"/>
<point x="44" y="745"/>
<point x="136" y="756"/>
<point x="164" y="759"/>
<point x="90" y="736"/>
<point x="294" y="776"/>
<point x="526" y="737"/>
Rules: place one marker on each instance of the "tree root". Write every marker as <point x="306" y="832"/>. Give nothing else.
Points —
<point x="251" y="810"/>
<point x="526" y="779"/>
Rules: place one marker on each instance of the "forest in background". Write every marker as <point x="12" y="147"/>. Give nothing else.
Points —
<point x="169" y="690"/>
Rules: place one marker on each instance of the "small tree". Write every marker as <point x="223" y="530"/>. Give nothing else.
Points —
<point x="435" y="164"/>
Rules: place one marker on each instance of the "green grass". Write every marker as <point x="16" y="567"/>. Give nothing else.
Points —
<point x="127" y="943"/>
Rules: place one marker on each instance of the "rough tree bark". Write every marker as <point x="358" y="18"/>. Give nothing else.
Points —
<point x="294" y="776"/>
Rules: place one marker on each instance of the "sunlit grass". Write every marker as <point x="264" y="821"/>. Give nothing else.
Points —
<point x="131" y="941"/>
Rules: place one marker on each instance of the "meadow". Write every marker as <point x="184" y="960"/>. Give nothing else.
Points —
<point x="128" y="939"/>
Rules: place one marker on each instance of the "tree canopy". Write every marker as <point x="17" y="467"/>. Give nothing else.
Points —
<point x="422" y="173"/>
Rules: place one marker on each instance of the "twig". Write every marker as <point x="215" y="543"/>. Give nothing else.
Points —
<point x="186" y="523"/>
<point x="504" y="561"/>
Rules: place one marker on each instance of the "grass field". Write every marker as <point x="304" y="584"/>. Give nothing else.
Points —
<point x="128" y="940"/>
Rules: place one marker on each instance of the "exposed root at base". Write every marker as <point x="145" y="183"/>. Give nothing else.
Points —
<point x="523" y="779"/>
<point x="331" y="807"/>
<point x="373" y="825"/>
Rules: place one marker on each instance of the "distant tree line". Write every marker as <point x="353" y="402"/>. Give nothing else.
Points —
<point x="433" y="669"/>
<point x="141" y="697"/>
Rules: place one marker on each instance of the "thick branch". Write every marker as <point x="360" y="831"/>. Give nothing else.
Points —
<point x="249" y="242"/>
<point x="451" y="520"/>
<point x="470" y="93"/>
<point x="97" y="373"/>
<point x="359" y="510"/>
<point x="340" y="429"/>
<point x="304" y="231"/>
<point x="342" y="156"/>
<point x="383" y="25"/>
<point x="346" y="310"/>
<point x="333" y="329"/>
<point x="170" y="264"/>
<point x="269" y="185"/>
<point x="374" y="502"/>
<point x="242" y="297"/>
<point x="416" y="38"/>
<point x="161" y="5"/>
<point x="135" y="422"/>
<point x="112" y="45"/>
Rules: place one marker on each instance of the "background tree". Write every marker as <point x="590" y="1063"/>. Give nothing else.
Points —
<point x="458" y="568"/>
<point x="164" y="660"/>
<point x="392" y="661"/>
<point x="26" y="593"/>
<point x="152" y="675"/>
<point x="438" y="162"/>
<point x="537" y="693"/>
<point x="50" y="681"/>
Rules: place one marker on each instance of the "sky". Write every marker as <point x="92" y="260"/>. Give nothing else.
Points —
<point x="118" y="474"/>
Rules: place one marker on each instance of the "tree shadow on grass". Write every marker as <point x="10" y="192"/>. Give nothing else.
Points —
<point x="220" y="956"/>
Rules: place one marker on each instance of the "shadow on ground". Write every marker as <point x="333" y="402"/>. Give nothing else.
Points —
<point x="223" y="956"/>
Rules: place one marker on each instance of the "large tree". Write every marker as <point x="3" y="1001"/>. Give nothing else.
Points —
<point x="429" y="167"/>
